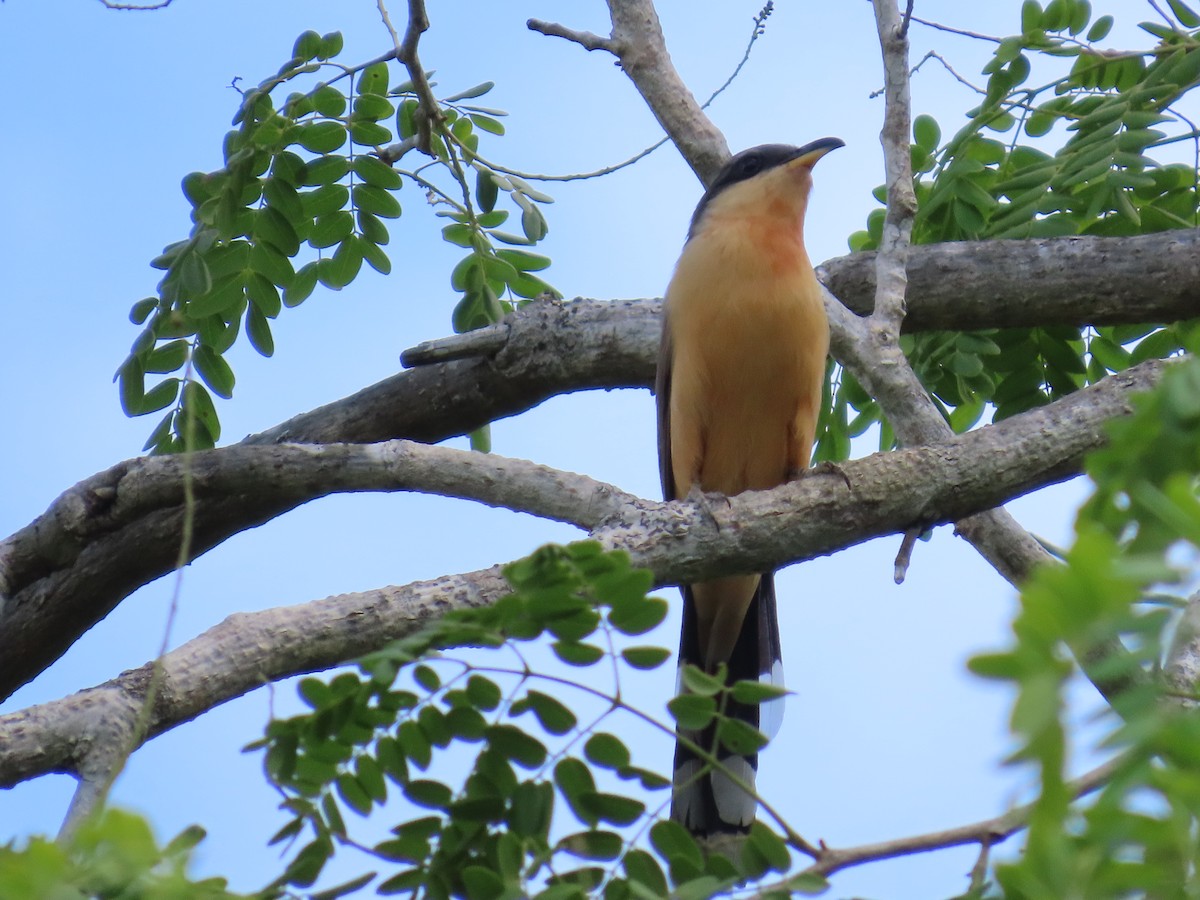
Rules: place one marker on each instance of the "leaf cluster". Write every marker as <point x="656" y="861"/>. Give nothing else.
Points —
<point x="113" y="854"/>
<point x="1072" y="155"/>
<point x="305" y="196"/>
<point x="506" y="822"/>
<point x="1137" y="542"/>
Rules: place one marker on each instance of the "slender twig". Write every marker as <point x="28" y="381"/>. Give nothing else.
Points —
<point x="136" y="7"/>
<point x="904" y="556"/>
<point x="947" y="28"/>
<point x="585" y="39"/>
<point x="988" y="831"/>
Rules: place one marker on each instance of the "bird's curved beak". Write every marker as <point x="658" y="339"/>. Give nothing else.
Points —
<point x="814" y="150"/>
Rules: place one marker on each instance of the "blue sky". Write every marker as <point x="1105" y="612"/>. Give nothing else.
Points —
<point x="107" y="111"/>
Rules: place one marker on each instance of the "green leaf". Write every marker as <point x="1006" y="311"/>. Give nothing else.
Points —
<point x="523" y="260"/>
<point x="691" y="711"/>
<point x="552" y="714"/>
<point x="375" y="171"/>
<point x="331" y="45"/>
<point x="352" y="794"/>
<point x="160" y="396"/>
<point x="194" y="274"/>
<point x="429" y="794"/>
<point x="634" y="618"/>
<point x="486" y="123"/>
<point x="372" y="107"/>
<point x="167" y="358"/>
<point x="302" y="285"/>
<point x="599" y="845"/>
<point x="926" y="132"/>
<point x="517" y="746"/>
<point x="330" y="229"/>
<point x="645" y="657"/>
<point x="614" y="808"/>
<point x="1031" y="16"/>
<point x="198" y="405"/>
<point x="328" y="101"/>
<point x="374" y="79"/>
<point x="642" y="869"/>
<point x="369" y="134"/>
<point x="274" y="265"/>
<point x="696" y="681"/>
<point x="575" y="654"/>
<point x="470" y="93"/>
<point x="343" y="267"/>
<point x="321" y="137"/>
<point x="376" y="258"/>
<point x="324" y="170"/>
<point x="214" y="370"/>
<point x="1185" y="14"/>
<point x="258" y="330"/>
<point x="606" y="750"/>
<point x="751" y="692"/>
<point x="376" y="201"/>
<point x="1100" y="29"/>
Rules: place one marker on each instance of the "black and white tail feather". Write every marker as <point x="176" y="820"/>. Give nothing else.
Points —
<point x="706" y="800"/>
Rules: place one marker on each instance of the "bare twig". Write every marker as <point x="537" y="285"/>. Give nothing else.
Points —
<point x="585" y="39"/>
<point x="933" y="54"/>
<point x="947" y="28"/>
<point x="987" y="832"/>
<point x="904" y="556"/>
<point x="638" y="43"/>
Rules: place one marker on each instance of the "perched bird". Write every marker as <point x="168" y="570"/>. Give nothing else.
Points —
<point x="740" y="372"/>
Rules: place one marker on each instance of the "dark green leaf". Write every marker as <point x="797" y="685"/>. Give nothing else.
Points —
<point x="553" y="715"/>
<point x="599" y="845"/>
<point x="329" y="101"/>
<point x="322" y="171"/>
<point x="258" y="330"/>
<point x="376" y="201"/>
<point x="321" y="137"/>
<point x="302" y="285"/>
<point x="576" y="654"/>
<point x="470" y="93"/>
<point x="331" y="229"/>
<point x="606" y="750"/>
<point x="373" y="170"/>
<point x="645" y="657"/>
<point x="430" y="794"/>
<point x="374" y="79"/>
<point x="214" y="370"/>
<point x="692" y="711"/>
<point x="372" y="107"/>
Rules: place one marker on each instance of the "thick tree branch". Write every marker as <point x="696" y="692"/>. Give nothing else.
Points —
<point x="1019" y="284"/>
<point x="117" y="530"/>
<point x="680" y="542"/>
<point x="554" y="348"/>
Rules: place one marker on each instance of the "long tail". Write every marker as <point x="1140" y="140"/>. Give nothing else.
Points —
<point x="709" y="802"/>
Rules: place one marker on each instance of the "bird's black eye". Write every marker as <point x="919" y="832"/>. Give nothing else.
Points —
<point x="751" y="166"/>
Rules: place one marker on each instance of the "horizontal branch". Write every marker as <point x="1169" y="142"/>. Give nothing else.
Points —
<point x="116" y="531"/>
<point x="60" y="571"/>
<point x="972" y="285"/>
<point x="681" y="541"/>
